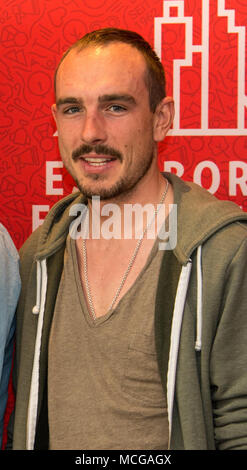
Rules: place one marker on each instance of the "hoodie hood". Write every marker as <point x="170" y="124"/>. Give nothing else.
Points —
<point x="199" y="215"/>
<point x="55" y="227"/>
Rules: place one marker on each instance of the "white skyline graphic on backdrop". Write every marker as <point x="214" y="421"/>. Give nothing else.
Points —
<point x="204" y="50"/>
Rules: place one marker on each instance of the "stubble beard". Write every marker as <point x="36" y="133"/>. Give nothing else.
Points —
<point x="122" y="188"/>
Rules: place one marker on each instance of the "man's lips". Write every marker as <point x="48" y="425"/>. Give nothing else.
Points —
<point x="99" y="152"/>
<point x="97" y="160"/>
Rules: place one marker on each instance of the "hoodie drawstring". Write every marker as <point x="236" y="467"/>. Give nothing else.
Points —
<point x="198" y="343"/>
<point x="175" y="338"/>
<point x="36" y="307"/>
<point x="34" y="388"/>
<point x="177" y="325"/>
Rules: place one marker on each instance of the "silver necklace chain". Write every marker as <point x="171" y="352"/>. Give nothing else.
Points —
<point x="129" y="267"/>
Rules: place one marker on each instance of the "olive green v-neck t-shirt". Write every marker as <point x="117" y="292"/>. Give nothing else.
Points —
<point x="104" y="384"/>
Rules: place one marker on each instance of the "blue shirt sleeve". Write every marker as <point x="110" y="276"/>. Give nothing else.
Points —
<point x="9" y="294"/>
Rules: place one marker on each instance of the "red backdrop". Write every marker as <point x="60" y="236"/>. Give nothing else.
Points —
<point x="202" y="44"/>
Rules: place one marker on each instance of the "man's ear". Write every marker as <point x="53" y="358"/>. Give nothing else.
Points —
<point x="54" y="112"/>
<point x="163" y="118"/>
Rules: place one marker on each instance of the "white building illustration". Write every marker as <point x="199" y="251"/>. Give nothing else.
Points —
<point x="203" y="49"/>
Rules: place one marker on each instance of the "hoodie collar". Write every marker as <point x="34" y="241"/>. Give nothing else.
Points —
<point x="55" y="227"/>
<point x="199" y="215"/>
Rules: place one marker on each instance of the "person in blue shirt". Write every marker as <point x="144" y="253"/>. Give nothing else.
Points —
<point x="9" y="294"/>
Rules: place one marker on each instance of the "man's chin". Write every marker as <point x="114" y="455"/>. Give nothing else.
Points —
<point x="105" y="193"/>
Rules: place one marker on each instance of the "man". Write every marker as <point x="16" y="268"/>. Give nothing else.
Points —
<point x="122" y="345"/>
<point x="9" y="292"/>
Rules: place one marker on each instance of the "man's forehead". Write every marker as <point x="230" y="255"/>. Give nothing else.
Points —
<point x="118" y="64"/>
<point x="115" y="52"/>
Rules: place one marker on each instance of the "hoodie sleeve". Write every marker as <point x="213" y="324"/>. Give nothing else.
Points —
<point x="229" y="359"/>
<point x="9" y="292"/>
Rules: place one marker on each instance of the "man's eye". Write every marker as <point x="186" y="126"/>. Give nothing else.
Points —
<point x="116" y="108"/>
<point x="71" y="110"/>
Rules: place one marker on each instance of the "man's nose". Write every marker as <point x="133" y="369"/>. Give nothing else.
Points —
<point x="93" y="129"/>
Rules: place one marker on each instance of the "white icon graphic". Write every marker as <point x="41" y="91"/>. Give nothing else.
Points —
<point x="204" y="50"/>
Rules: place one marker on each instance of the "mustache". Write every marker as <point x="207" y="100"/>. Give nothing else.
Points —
<point x="98" y="149"/>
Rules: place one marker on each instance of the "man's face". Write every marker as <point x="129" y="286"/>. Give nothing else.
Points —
<point x="104" y="121"/>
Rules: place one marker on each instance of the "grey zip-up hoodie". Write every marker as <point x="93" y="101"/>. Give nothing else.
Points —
<point x="203" y="359"/>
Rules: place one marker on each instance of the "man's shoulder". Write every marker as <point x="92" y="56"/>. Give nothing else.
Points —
<point x="201" y="218"/>
<point x="54" y="223"/>
<point x="29" y="247"/>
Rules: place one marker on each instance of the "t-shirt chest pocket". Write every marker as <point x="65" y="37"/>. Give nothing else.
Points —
<point x="141" y="378"/>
